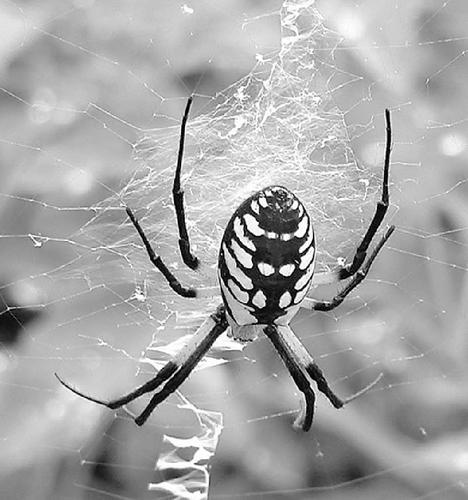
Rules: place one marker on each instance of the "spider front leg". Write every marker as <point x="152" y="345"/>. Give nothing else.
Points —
<point x="178" y="196"/>
<point x="156" y="260"/>
<point x="380" y="211"/>
<point x="184" y="244"/>
<point x="174" y="371"/>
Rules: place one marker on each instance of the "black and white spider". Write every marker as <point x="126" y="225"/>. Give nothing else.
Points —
<point x="265" y="270"/>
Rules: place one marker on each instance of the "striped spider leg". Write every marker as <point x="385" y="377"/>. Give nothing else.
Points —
<point x="301" y="366"/>
<point x="174" y="372"/>
<point x="265" y="270"/>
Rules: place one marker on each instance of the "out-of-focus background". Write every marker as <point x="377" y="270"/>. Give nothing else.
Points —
<point x="81" y="83"/>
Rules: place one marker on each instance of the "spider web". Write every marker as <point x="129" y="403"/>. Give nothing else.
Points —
<point x="92" y="95"/>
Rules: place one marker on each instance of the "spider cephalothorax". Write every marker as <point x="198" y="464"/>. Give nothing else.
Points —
<point x="265" y="270"/>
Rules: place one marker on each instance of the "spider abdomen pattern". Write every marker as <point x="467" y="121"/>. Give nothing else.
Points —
<point x="267" y="258"/>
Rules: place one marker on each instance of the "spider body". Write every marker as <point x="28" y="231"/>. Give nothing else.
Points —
<point x="265" y="270"/>
<point x="266" y="260"/>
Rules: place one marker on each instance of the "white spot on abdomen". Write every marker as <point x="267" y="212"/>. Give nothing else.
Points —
<point x="240" y="312"/>
<point x="285" y="300"/>
<point x="252" y="225"/>
<point x="307" y="258"/>
<point x="266" y="269"/>
<point x="243" y="257"/>
<point x="300" y="295"/>
<point x="263" y="201"/>
<point x="235" y="271"/>
<point x="259" y="299"/>
<point x="308" y="240"/>
<point x="301" y="282"/>
<point x="240" y="234"/>
<point x="302" y="227"/>
<point x="287" y="269"/>
<point x="238" y="294"/>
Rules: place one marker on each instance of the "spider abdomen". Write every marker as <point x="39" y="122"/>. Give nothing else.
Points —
<point x="266" y="259"/>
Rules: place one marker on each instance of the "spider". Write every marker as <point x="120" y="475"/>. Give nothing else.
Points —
<point x="265" y="270"/>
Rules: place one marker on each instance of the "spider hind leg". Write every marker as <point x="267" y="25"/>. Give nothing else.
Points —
<point x="166" y="372"/>
<point x="174" y="372"/>
<point x="316" y="374"/>
<point x="306" y="417"/>
<point x="303" y="369"/>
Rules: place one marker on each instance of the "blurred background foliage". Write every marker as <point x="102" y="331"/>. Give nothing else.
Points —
<point x="80" y="81"/>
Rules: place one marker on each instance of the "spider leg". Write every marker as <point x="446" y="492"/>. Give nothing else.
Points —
<point x="156" y="260"/>
<point x="380" y="211"/>
<point x="178" y="196"/>
<point x="328" y="305"/>
<point x="297" y="373"/>
<point x="188" y="359"/>
<point x="167" y="370"/>
<point x="305" y="360"/>
<point x="200" y="342"/>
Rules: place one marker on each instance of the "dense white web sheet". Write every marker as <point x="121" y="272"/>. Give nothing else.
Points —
<point x="74" y="153"/>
